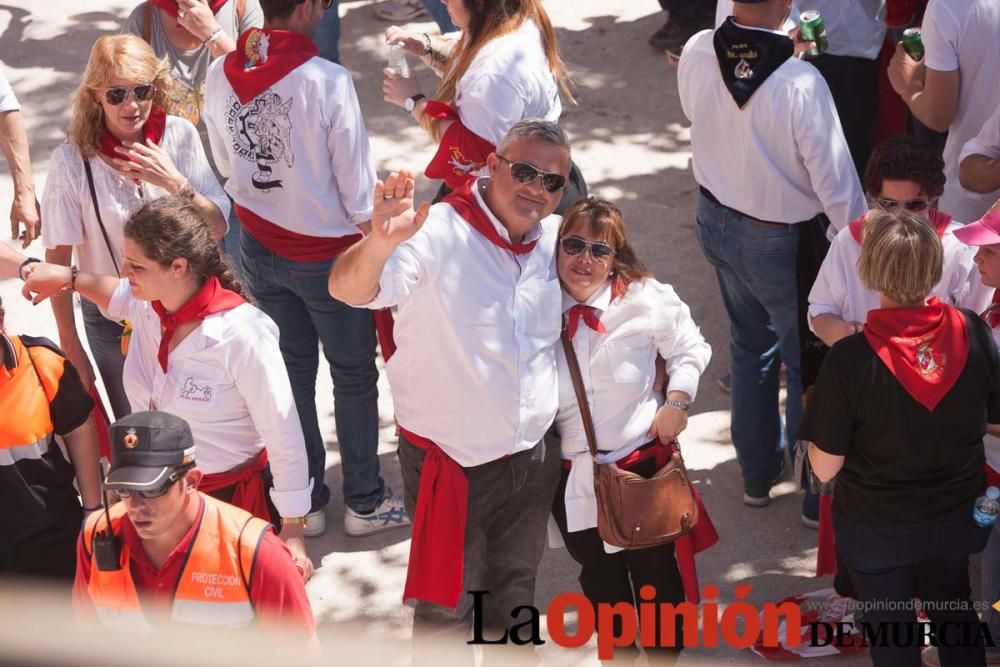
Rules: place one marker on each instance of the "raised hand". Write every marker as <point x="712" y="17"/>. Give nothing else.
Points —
<point x="42" y="280"/>
<point x="197" y="18"/>
<point x="150" y="163"/>
<point x="393" y="218"/>
<point x="413" y="43"/>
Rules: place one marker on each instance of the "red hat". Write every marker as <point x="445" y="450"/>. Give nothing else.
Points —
<point x="985" y="231"/>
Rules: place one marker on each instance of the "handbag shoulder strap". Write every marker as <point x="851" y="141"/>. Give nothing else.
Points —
<point x="147" y="21"/>
<point x="97" y="210"/>
<point x="581" y="394"/>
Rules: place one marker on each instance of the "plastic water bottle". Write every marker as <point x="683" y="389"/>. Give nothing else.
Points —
<point x="987" y="507"/>
<point x="397" y="60"/>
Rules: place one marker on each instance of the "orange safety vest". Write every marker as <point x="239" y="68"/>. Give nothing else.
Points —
<point x="26" y="393"/>
<point x="214" y="585"/>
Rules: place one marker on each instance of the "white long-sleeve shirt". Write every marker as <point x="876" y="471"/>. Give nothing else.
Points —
<point x="839" y="291"/>
<point x="228" y="381"/>
<point x="618" y="369"/>
<point x="476" y="330"/>
<point x="296" y="155"/>
<point x="987" y="144"/>
<point x="68" y="208"/>
<point x="783" y="156"/>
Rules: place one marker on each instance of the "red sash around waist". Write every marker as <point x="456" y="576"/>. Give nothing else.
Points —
<point x="249" y="480"/>
<point x="292" y="245"/>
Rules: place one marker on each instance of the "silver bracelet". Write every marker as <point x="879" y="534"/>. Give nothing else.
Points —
<point x="427" y="45"/>
<point x="677" y="405"/>
<point x="213" y="38"/>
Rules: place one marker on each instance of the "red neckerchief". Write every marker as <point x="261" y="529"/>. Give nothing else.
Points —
<point x="171" y="7"/>
<point x="211" y="298"/>
<point x="992" y="312"/>
<point x="938" y="219"/>
<point x="263" y="58"/>
<point x="465" y="204"/>
<point x="925" y="348"/>
<point x="590" y="318"/>
<point x="155" y="125"/>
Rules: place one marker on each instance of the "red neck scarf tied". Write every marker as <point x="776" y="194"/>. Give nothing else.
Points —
<point x="465" y="204"/>
<point x="937" y="218"/>
<point x="590" y="317"/>
<point x="925" y="348"/>
<point x="154" y="128"/>
<point x="263" y="58"/>
<point x="211" y="298"/>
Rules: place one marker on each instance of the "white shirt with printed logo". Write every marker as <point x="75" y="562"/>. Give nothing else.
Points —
<point x="228" y="381"/>
<point x="296" y="155"/>
<point x="618" y="370"/>
<point x="476" y="330"/>
<point x="839" y="291"/>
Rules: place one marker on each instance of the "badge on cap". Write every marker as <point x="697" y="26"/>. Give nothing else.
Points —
<point x="131" y="439"/>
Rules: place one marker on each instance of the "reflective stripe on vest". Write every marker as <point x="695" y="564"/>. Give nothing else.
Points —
<point x="12" y="454"/>
<point x="213" y="586"/>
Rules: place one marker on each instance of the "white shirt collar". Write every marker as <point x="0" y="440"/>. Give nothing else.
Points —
<point x="750" y="27"/>
<point x="601" y="299"/>
<point x="532" y="235"/>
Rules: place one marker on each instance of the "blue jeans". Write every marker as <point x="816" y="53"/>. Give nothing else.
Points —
<point x="231" y="245"/>
<point x="327" y="35"/>
<point x="104" y="339"/>
<point x="755" y="263"/>
<point x="294" y="295"/>
<point x="439" y="13"/>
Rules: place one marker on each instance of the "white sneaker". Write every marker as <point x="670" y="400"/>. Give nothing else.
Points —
<point x="389" y="514"/>
<point x="315" y="524"/>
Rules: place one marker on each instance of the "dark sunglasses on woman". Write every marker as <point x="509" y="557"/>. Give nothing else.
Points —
<point x="522" y="172"/>
<point x="574" y="245"/>
<point x="913" y="205"/>
<point x="118" y="94"/>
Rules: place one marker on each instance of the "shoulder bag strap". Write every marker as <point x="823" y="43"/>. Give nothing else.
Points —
<point x="97" y="210"/>
<point x="147" y="22"/>
<point x="581" y="394"/>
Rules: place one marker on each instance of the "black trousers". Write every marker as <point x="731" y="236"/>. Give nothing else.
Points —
<point x="853" y="83"/>
<point x="48" y="554"/>
<point x="686" y="11"/>
<point x="891" y="565"/>
<point x="617" y="577"/>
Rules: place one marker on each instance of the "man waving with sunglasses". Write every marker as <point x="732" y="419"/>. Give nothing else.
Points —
<point x="168" y="551"/>
<point x="474" y="376"/>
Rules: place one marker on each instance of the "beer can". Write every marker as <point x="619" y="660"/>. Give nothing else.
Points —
<point x="913" y="43"/>
<point x="812" y="29"/>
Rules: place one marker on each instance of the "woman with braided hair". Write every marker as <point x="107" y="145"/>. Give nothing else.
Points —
<point x="200" y="351"/>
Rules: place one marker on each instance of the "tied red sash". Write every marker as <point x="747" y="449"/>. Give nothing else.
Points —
<point x="938" y="219"/>
<point x="249" y="494"/>
<point x="461" y="153"/>
<point x="589" y="316"/>
<point x="437" y="548"/>
<point x="211" y="298"/>
<point x="154" y="128"/>
<point x="465" y="204"/>
<point x="925" y="348"/>
<point x="263" y="58"/>
<point x="171" y="7"/>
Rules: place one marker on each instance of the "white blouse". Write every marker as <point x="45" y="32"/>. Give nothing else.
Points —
<point x="228" y="380"/>
<point x="68" y="209"/>
<point x="839" y="291"/>
<point x="508" y="80"/>
<point x="618" y="369"/>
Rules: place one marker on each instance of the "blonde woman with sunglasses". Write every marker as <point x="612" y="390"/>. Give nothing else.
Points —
<point x="123" y="150"/>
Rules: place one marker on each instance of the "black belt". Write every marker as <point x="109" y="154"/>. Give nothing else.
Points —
<point x="767" y="223"/>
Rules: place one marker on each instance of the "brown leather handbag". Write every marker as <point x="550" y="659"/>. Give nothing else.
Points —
<point x="634" y="512"/>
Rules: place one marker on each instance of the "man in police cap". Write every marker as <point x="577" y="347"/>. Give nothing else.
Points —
<point x="175" y="552"/>
<point x="770" y="158"/>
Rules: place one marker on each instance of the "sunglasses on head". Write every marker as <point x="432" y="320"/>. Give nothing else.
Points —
<point x="153" y="493"/>
<point x="118" y="94"/>
<point x="522" y="172"/>
<point x="912" y="205"/>
<point x="574" y="245"/>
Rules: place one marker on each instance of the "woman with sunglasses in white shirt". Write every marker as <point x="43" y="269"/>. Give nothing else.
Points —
<point x="902" y="173"/>
<point x="198" y="350"/>
<point x="123" y="150"/>
<point x="618" y="318"/>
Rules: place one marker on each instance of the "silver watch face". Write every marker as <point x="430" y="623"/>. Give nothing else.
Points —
<point x="408" y="104"/>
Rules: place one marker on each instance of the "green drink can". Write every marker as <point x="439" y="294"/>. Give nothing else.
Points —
<point x="813" y="30"/>
<point x="913" y="43"/>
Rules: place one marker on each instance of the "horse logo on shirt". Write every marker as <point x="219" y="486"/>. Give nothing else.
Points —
<point x="261" y="132"/>
<point x="193" y="392"/>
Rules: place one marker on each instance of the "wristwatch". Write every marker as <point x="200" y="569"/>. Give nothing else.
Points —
<point x="410" y="103"/>
<point x="293" y="521"/>
<point x="677" y="405"/>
